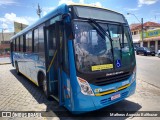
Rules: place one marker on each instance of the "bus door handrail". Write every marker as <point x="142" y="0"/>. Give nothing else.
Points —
<point x="52" y="61"/>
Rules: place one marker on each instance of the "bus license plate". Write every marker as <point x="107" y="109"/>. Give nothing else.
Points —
<point x="115" y="96"/>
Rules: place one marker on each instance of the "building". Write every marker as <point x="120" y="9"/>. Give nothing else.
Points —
<point x="151" y="35"/>
<point x="5" y="41"/>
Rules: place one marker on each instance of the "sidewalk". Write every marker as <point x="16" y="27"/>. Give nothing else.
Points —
<point x="5" y="60"/>
<point x="147" y="95"/>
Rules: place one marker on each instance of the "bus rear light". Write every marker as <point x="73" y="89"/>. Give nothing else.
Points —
<point x="85" y="87"/>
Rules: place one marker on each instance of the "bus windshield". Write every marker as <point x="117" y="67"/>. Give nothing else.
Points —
<point x="92" y="48"/>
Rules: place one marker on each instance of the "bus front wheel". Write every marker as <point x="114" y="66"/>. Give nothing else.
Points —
<point x="43" y="84"/>
<point x="17" y="68"/>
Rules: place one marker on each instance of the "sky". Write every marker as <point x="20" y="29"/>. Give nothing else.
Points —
<point x="24" y="11"/>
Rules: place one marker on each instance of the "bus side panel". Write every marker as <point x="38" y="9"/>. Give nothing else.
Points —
<point x="74" y="84"/>
<point x="21" y="63"/>
<point x="30" y="69"/>
<point x="11" y="53"/>
<point x="66" y="91"/>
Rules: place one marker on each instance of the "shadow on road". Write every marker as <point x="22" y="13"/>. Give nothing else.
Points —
<point x="53" y="108"/>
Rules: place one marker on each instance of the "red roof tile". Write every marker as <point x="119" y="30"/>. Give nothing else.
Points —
<point x="147" y="24"/>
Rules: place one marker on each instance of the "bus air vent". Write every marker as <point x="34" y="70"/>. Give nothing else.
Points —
<point x="111" y="79"/>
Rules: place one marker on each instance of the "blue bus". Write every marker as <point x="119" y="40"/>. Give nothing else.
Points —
<point x="81" y="55"/>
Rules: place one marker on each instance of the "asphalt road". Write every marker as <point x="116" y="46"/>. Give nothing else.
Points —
<point x="148" y="69"/>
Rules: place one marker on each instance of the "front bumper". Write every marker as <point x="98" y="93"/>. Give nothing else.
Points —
<point x="90" y="103"/>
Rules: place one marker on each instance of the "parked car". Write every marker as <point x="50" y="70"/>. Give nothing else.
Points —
<point x="145" y="51"/>
<point x="158" y="53"/>
<point x="135" y="48"/>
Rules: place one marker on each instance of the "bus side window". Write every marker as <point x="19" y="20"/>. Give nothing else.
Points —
<point x="14" y="45"/>
<point x="21" y="43"/>
<point x="41" y="43"/>
<point x="29" y="42"/>
<point x="24" y="43"/>
<point x="36" y="42"/>
<point x="17" y="44"/>
<point x="52" y="41"/>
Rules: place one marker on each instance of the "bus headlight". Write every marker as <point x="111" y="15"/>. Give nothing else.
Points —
<point x="133" y="75"/>
<point x="85" y="87"/>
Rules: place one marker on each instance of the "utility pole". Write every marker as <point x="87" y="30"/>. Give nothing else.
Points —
<point x="142" y="30"/>
<point x="141" y="25"/>
<point x="39" y="11"/>
<point x="2" y="36"/>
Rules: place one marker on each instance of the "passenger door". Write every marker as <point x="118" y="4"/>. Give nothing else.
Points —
<point x="53" y="38"/>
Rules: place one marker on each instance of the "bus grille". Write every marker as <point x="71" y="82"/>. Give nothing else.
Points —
<point x="111" y="79"/>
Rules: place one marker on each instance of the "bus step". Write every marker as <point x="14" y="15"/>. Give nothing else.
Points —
<point x="54" y="97"/>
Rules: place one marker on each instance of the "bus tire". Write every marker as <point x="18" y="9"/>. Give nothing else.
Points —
<point x="17" y="68"/>
<point x="137" y="53"/>
<point x="145" y="54"/>
<point x="43" y="84"/>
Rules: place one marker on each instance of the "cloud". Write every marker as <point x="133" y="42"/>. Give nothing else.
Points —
<point x="146" y="2"/>
<point x="81" y="1"/>
<point x="9" y="18"/>
<point x="65" y="1"/>
<point x="4" y="26"/>
<point x="46" y="10"/>
<point x="97" y="4"/>
<point x="131" y="9"/>
<point x="7" y="2"/>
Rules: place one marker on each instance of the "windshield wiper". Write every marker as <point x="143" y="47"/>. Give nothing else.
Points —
<point x="100" y="29"/>
<point x="103" y="32"/>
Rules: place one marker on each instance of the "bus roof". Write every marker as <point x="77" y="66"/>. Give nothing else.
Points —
<point x="59" y="10"/>
<point x="89" y="5"/>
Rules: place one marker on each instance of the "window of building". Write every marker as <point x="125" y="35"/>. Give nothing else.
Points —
<point x="152" y="45"/>
<point x="158" y="45"/>
<point x="145" y="44"/>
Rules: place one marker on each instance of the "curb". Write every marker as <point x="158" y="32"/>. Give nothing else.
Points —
<point x="4" y="63"/>
<point x="151" y="84"/>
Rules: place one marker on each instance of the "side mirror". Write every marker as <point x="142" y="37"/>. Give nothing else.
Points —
<point x="68" y="26"/>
